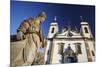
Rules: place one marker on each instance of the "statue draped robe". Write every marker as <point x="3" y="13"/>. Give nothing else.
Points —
<point x="23" y="52"/>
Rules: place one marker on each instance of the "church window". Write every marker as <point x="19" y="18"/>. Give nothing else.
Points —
<point x="60" y="48"/>
<point x="78" y="48"/>
<point x="86" y="30"/>
<point x="52" y="31"/>
<point x="93" y="53"/>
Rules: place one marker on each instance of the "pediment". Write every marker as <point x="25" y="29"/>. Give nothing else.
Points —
<point x="68" y="34"/>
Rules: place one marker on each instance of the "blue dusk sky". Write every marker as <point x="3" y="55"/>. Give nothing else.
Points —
<point x="66" y="14"/>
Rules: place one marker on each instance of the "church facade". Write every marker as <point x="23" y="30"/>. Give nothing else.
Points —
<point x="69" y="46"/>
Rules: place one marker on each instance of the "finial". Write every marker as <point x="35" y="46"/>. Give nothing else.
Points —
<point x="55" y="18"/>
<point x="69" y="26"/>
<point x="81" y="18"/>
<point x="63" y="29"/>
<point x="76" y="29"/>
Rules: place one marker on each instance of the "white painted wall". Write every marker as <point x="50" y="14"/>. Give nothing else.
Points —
<point x="91" y="47"/>
<point x="55" y="26"/>
<point x="81" y="58"/>
<point x="89" y="34"/>
<point x="57" y="57"/>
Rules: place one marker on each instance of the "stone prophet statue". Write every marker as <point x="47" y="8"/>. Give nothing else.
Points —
<point x="32" y="26"/>
<point x="30" y="31"/>
<point x="34" y="36"/>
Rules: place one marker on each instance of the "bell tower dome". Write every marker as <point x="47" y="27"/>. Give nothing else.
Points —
<point x="53" y="28"/>
<point x="85" y="30"/>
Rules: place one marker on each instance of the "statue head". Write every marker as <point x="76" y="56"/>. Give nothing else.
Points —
<point x="42" y="16"/>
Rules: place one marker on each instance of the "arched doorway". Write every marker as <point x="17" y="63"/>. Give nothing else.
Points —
<point x="70" y="56"/>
